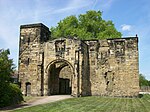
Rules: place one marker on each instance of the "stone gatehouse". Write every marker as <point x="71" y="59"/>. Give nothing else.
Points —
<point x="78" y="67"/>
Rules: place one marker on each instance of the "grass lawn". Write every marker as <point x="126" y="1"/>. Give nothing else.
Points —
<point x="94" y="104"/>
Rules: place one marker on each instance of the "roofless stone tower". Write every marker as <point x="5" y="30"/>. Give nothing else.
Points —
<point x="31" y="57"/>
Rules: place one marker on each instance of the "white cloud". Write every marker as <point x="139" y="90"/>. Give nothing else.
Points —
<point x="72" y="6"/>
<point x="103" y="5"/>
<point x="126" y="27"/>
<point x="107" y="4"/>
<point x="43" y="10"/>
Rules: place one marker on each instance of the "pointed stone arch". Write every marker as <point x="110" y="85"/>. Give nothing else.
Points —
<point x="57" y="84"/>
<point x="57" y="61"/>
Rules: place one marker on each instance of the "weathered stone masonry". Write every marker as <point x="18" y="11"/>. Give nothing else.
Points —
<point x="78" y="67"/>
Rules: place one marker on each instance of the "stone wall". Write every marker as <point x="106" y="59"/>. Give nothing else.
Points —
<point x="114" y="67"/>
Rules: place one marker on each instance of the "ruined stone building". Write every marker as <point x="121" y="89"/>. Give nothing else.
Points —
<point x="77" y="67"/>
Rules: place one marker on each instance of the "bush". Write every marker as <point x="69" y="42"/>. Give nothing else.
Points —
<point x="10" y="94"/>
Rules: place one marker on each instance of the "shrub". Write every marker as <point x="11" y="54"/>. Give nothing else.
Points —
<point x="10" y="94"/>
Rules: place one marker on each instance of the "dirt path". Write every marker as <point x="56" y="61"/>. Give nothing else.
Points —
<point x="40" y="100"/>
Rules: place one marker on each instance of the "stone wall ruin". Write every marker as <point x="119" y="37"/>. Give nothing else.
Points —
<point x="78" y="67"/>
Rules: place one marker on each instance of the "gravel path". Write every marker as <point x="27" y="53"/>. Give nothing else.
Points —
<point x="48" y="99"/>
<point x="41" y="100"/>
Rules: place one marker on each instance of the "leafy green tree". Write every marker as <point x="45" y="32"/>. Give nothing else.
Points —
<point x="149" y="82"/>
<point x="143" y="81"/>
<point x="6" y="66"/>
<point x="86" y="26"/>
<point x="9" y="93"/>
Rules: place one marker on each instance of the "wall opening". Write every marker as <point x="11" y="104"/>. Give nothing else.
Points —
<point x="65" y="80"/>
<point x="60" y="78"/>
<point x="28" y="89"/>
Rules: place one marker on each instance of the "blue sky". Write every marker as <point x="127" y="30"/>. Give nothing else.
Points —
<point x="130" y="17"/>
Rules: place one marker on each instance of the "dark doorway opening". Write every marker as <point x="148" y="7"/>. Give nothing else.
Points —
<point x="64" y="87"/>
<point x="28" y="89"/>
<point x="60" y="79"/>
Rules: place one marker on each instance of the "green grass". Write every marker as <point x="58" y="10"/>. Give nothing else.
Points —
<point x="94" y="104"/>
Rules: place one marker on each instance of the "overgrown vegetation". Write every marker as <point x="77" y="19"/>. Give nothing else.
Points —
<point x="95" y="104"/>
<point x="9" y="93"/>
<point x="86" y="26"/>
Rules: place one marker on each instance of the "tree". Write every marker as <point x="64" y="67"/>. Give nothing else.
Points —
<point x="6" y="66"/>
<point x="143" y="81"/>
<point x="86" y="26"/>
<point x="9" y="93"/>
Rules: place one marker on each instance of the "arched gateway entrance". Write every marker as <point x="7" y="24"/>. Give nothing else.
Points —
<point x="60" y="77"/>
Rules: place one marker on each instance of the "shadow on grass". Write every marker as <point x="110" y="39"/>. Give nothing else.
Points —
<point x="140" y="95"/>
<point x="14" y="107"/>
